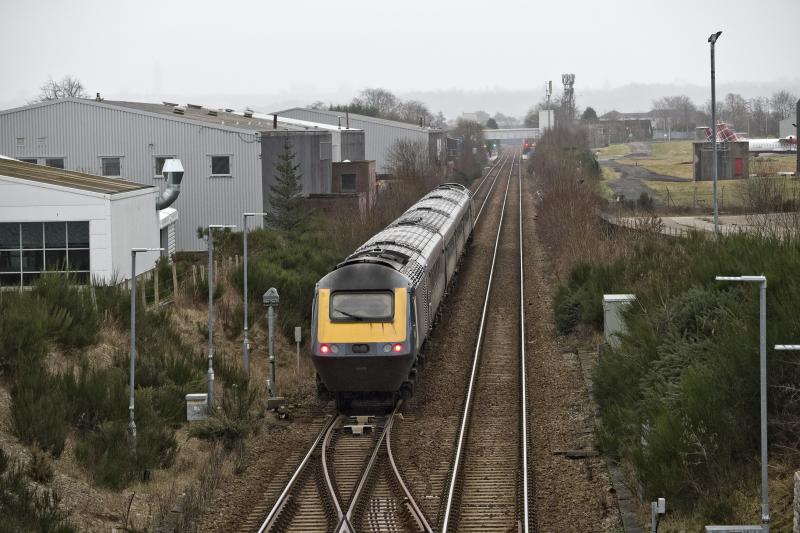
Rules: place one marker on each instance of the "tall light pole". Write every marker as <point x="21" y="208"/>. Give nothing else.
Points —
<point x="210" y="279"/>
<point x="713" y="40"/>
<point x="762" y="348"/>
<point x="246" y="341"/>
<point x="132" y="376"/>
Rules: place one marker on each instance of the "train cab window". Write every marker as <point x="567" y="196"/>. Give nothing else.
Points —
<point x="373" y="306"/>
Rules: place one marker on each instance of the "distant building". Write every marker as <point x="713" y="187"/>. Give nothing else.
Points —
<point x="229" y="157"/>
<point x="615" y="131"/>
<point x="733" y="157"/>
<point x="380" y="134"/>
<point x="52" y="220"/>
<point x="547" y="119"/>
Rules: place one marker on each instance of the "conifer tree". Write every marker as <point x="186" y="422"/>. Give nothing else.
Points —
<point x="288" y="211"/>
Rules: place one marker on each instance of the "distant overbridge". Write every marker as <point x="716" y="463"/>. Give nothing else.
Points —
<point x="511" y="134"/>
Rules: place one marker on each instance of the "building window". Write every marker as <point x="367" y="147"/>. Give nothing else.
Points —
<point x="160" y="160"/>
<point x="20" y="142"/>
<point x="55" y="162"/>
<point x="110" y="166"/>
<point x="30" y="249"/>
<point x="220" y="165"/>
<point x="29" y="160"/>
<point x="348" y="183"/>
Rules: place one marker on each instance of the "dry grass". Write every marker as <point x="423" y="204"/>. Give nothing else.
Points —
<point x="668" y="159"/>
<point x="613" y="151"/>
<point x="732" y="194"/>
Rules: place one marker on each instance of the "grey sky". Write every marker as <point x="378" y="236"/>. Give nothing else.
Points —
<point x="307" y="50"/>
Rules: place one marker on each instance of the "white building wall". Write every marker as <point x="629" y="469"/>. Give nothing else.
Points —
<point x="82" y="131"/>
<point x="134" y="224"/>
<point x="117" y="222"/>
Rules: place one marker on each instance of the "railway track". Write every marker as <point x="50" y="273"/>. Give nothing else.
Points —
<point x="347" y="482"/>
<point x="488" y="487"/>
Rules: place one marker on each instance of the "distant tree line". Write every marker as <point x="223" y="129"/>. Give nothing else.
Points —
<point x="377" y="102"/>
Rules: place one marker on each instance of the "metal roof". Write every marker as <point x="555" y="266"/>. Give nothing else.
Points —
<point x="66" y="178"/>
<point x="203" y="114"/>
<point x="365" y="118"/>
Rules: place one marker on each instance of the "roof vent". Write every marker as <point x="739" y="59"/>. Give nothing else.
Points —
<point x="169" y="104"/>
<point x="212" y="112"/>
<point x="248" y="113"/>
<point x="194" y="106"/>
<point x="228" y="110"/>
<point x="178" y="110"/>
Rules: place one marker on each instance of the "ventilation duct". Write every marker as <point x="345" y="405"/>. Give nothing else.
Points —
<point x="173" y="174"/>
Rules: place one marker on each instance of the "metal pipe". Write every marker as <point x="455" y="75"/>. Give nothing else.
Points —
<point x="246" y="341"/>
<point x="797" y="139"/>
<point x="132" y="371"/>
<point x="713" y="40"/>
<point x="762" y="351"/>
<point x="210" y="280"/>
<point x="173" y="172"/>
<point x="270" y="325"/>
<point x="763" y="376"/>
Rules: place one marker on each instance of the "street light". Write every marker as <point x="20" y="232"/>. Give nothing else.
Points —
<point x="210" y="279"/>
<point x="762" y="281"/>
<point x="713" y="40"/>
<point x="246" y="341"/>
<point x="132" y="376"/>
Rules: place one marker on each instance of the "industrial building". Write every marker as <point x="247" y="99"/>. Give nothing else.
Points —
<point x="380" y="134"/>
<point x="54" y="220"/>
<point x="228" y="156"/>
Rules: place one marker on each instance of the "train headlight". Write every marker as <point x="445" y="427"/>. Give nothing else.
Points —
<point x="397" y="348"/>
<point x="324" y="349"/>
<point x="387" y="348"/>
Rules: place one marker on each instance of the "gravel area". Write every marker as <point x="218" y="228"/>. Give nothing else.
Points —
<point x="572" y="494"/>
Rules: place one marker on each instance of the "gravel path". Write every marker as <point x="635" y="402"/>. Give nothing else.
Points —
<point x="571" y="494"/>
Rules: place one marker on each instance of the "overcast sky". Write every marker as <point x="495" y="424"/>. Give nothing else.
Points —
<point x="307" y="50"/>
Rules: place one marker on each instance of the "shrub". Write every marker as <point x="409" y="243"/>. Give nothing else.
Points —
<point x="96" y="395"/>
<point x="38" y="410"/>
<point x="106" y="452"/>
<point x="24" y="321"/>
<point x="25" y="509"/>
<point x="40" y="469"/>
<point x="234" y="420"/>
<point x="75" y="322"/>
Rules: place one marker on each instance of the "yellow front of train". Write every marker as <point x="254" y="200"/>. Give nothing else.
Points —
<point x="362" y="335"/>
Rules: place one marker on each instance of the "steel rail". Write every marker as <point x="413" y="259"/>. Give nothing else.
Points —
<point x="345" y="518"/>
<point x="273" y="514"/>
<point x="502" y="161"/>
<point x="522" y="371"/>
<point x="328" y="480"/>
<point x="489" y="192"/>
<point x="473" y="375"/>
<point x="407" y="493"/>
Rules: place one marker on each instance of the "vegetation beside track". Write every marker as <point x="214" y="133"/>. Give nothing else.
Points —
<point x="678" y="399"/>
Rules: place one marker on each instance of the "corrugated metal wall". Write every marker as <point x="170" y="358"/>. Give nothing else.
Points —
<point x="379" y="136"/>
<point x="312" y="151"/>
<point x="352" y="145"/>
<point x="82" y="132"/>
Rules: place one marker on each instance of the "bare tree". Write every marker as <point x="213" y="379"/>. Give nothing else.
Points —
<point x="413" y="112"/>
<point x="782" y="104"/>
<point x="68" y="87"/>
<point x="409" y="158"/>
<point x="381" y="100"/>
<point x="318" y="105"/>
<point x="473" y="154"/>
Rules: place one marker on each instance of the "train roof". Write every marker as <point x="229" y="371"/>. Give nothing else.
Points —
<point x="406" y="243"/>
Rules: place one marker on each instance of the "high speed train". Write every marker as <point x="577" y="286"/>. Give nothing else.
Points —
<point x="373" y="312"/>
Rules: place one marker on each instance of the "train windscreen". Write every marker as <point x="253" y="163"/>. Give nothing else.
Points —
<point x="373" y="306"/>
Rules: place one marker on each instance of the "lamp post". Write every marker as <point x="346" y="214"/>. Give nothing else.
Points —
<point x="762" y="281"/>
<point x="132" y="376"/>
<point x="713" y="40"/>
<point x="246" y="341"/>
<point x="210" y="279"/>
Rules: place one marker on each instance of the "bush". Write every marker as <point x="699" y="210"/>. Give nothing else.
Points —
<point x="74" y="323"/>
<point x="96" y="395"/>
<point x="234" y="420"/>
<point x="24" y="322"/>
<point x="40" y="469"/>
<point x="106" y="452"/>
<point x="38" y="410"/>
<point x="24" y="508"/>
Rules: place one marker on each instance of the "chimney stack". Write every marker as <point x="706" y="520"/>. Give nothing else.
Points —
<point x="275" y="121"/>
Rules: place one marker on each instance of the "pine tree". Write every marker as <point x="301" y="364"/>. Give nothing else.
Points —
<point x="288" y="209"/>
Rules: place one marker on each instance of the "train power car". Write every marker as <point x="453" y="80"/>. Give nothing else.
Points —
<point x="373" y="312"/>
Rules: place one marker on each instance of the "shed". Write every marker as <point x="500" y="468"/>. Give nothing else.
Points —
<point x="54" y="220"/>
